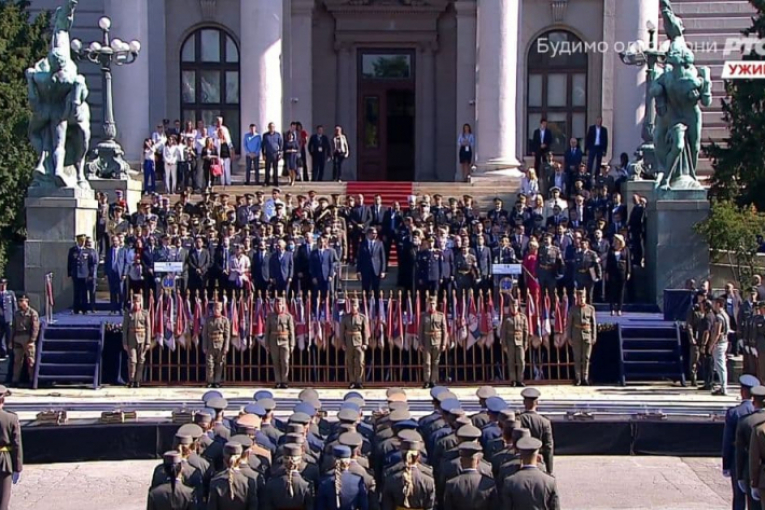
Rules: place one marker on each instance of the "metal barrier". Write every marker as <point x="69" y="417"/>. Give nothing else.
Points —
<point x="473" y="354"/>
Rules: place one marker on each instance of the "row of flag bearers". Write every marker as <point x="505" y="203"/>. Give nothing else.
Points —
<point x="385" y="460"/>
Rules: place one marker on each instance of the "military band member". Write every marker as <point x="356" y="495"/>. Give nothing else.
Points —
<point x="354" y="330"/>
<point x="136" y="332"/>
<point x="216" y="342"/>
<point x="514" y="337"/>
<point x="11" y="452"/>
<point x="26" y="328"/>
<point x="549" y="264"/>
<point x="466" y="270"/>
<point x="280" y="341"/>
<point x="582" y="334"/>
<point x="433" y="341"/>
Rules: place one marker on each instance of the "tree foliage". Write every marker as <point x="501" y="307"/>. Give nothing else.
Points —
<point x="739" y="162"/>
<point x="23" y="41"/>
<point x="731" y="232"/>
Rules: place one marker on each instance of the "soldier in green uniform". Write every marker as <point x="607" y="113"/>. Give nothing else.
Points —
<point x="280" y="341"/>
<point x="549" y="264"/>
<point x="171" y="493"/>
<point x="433" y="341"/>
<point x="693" y="328"/>
<point x="216" y="338"/>
<point x="514" y="337"/>
<point x="530" y="488"/>
<point x="465" y="270"/>
<point x="758" y="332"/>
<point x="587" y="268"/>
<point x="539" y="426"/>
<point x="26" y="328"/>
<point x="135" y="339"/>
<point x="354" y="330"/>
<point x="11" y="452"/>
<point x="470" y="489"/>
<point x="582" y="334"/>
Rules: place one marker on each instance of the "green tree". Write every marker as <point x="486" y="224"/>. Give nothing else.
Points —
<point x="731" y="232"/>
<point x="739" y="162"/>
<point x="23" y="41"/>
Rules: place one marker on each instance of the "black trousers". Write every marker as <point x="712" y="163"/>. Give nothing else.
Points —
<point x="6" y="484"/>
<point x="80" y="294"/>
<point x="337" y="167"/>
<point x="318" y="163"/>
<point x="272" y="170"/>
<point x="616" y="293"/>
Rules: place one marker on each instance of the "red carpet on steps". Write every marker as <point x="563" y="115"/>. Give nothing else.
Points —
<point x="389" y="191"/>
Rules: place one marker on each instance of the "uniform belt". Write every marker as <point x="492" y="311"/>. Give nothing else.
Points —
<point x="434" y="333"/>
<point x="583" y="270"/>
<point x="139" y="330"/>
<point x="587" y="327"/>
<point x="546" y="266"/>
<point x="6" y="449"/>
<point x="465" y="272"/>
<point x="282" y="335"/>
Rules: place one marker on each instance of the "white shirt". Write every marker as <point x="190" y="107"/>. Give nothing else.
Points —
<point x="269" y="209"/>
<point x="239" y="267"/>
<point x="173" y="155"/>
<point x="597" y="136"/>
<point x="212" y="132"/>
<point x="530" y="188"/>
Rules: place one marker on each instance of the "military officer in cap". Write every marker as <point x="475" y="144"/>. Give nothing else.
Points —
<point x="11" y="452"/>
<point x="433" y="341"/>
<point x="354" y="331"/>
<point x="171" y="493"/>
<point x="549" y="266"/>
<point x="466" y="268"/>
<point x="481" y="419"/>
<point x="530" y="488"/>
<point x="740" y="421"/>
<point x="216" y="337"/>
<point x="344" y="490"/>
<point x="582" y="334"/>
<point x="8" y="307"/>
<point x="470" y="489"/>
<point x="587" y="268"/>
<point x="280" y="341"/>
<point x="411" y="487"/>
<point x="288" y="489"/>
<point x="80" y="267"/>
<point x="514" y="337"/>
<point x="229" y="488"/>
<point x="135" y="339"/>
<point x="540" y="426"/>
<point x="26" y="328"/>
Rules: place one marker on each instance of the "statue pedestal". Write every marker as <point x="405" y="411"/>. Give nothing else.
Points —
<point x="674" y="251"/>
<point x="54" y="219"/>
<point x="130" y="188"/>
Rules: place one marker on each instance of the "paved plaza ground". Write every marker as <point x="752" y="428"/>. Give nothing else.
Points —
<point x="585" y="483"/>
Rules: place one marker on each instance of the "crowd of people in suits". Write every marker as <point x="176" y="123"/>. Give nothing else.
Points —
<point x="384" y="460"/>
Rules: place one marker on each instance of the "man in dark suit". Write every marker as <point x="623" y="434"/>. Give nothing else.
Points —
<point x="79" y="270"/>
<point x="320" y="150"/>
<point x="302" y="262"/>
<point x="116" y="266"/>
<point x="596" y="145"/>
<point x="540" y="144"/>
<point x="377" y="213"/>
<point x="371" y="262"/>
<point x="322" y="268"/>
<point x="359" y="219"/>
<point x="391" y="225"/>
<point x="572" y="158"/>
<point x="261" y="268"/>
<point x="428" y="273"/>
<point x="281" y="268"/>
<point x="483" y="263"/>
<point x="197" y="265"/>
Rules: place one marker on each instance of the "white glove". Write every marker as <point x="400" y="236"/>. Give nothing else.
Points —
<point x="742" y="486"/>
<point x="726" y="473"/>
<point x="755" y="494"/>
<point x="16" y="477"/>
<point x="741" y="344"/>
<point x="754" y="352"/>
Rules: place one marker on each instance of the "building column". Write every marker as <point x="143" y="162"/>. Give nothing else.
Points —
<point x="345" y="97"/>
<point x="261" y="75"/>
<point x="466" y="71"/>
<point x="426" y="114"/>
<point x="301" y="72"/>
<point x="497" y="81"/>
<point x="629" y="81"/>
<point x="130" y="84"/>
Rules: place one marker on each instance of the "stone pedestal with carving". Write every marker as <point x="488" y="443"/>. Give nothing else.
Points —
<point x="53" y="222"/>
<point x="130" y="188"/>
<point x="674" y="251"/>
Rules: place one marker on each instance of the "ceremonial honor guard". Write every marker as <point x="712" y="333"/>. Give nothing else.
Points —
<point x="26" y="328"/>
<point x="354" y="331"/>
<point x="11" y="452"/>
<point x="433" y="341"/>
<point x="529" y="488"/>
<point x="136" y="331"/>
<point x="216" y="340"/>
<point x="280" y="341"/>
<point x="514" y="337"/>
<point x="539" y="426"/>
<point x="582" y="333"/>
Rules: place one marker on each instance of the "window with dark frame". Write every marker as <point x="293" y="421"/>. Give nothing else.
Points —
<point x="210" y="80"/>
<point x="557" y="90"/>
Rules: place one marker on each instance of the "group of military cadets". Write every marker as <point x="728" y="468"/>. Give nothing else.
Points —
<point x="383" y="461"/>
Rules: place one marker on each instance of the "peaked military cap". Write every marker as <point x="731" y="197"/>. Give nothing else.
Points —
<point x="528" y="444"/>
<point x="300" y="419"/>
<point x="341" y="452"/>
<point x="399" y="415"/>
<point x="184" y="439"/>
<point x="172" y="457"/>
<point x="495" y="404"/>
<point x="242" y="439"/>
<point x="409" y="435"/>
<point x="257" y="409"/>
<point x="352" y="439"/>
<point x="531" y="393"/>
<point x="353" y="394"/>
<point x="469" y="449"/>
<point x="469" y="432"/>
<point x="191" y="429"/>
<point x="232" y="448"/>
<point x="749" y="380"/>
<point x="308" y="393"/>
<point x="485" y="392"/>
<point x="217" y="403"/>
<point x="269" y="404"/>
<point x="209" y="395"/>
<point x="293" y="450"/>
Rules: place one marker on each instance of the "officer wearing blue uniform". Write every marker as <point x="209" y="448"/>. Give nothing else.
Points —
<point x="732" y="417"/>
<point x="428" y="269"/>
<point x="80" y="267"/>
<point x="343" y="490"/>
<point x="494" y="406"/>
